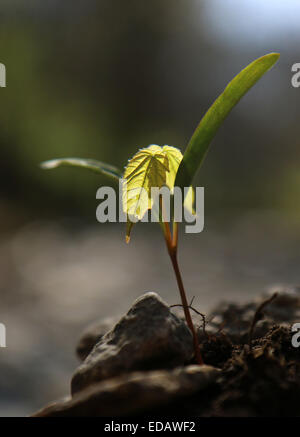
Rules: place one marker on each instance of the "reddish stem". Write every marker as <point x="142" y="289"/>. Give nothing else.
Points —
<point x="172" y="250"/>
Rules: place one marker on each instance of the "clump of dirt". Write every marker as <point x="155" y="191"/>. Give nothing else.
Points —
<point x="251" y="366"/>
<point x="260" y="366"/>
<point x="263" y="380"/>
<point x="260" y="381"/>
<point x="217" y="350"/>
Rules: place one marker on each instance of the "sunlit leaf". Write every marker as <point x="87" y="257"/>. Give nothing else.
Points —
<point x="153" y="166"/>
<point x="148" y="168"/>
<point x="214" y="117"/>
<point x="175" y="157"/>
<point x="129" y="226"/>
<point x="90" y="164"/>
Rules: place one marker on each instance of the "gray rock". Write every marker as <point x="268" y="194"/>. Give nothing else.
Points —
<point x="134" y="393"/>
<point x="148" y="337"/>
<point x="92" y="334"/>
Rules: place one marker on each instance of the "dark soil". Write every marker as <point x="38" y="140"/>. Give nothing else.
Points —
<point x="260" y="368"/>
<point x="251" y="344"/>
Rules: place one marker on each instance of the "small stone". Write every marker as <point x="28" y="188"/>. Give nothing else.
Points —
<point x="92" y="334"/>
<point x="134" y="393"/>
<point x="148" y="337"/>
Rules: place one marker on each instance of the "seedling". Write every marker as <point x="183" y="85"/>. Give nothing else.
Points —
<point x="157" y="166"/>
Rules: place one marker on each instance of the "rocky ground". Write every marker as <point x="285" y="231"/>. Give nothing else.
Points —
<point x="144" y="364"/>
<point x="57" y="277"/>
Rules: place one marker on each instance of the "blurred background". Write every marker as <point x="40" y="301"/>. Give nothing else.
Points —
<point x="100" y="79"/>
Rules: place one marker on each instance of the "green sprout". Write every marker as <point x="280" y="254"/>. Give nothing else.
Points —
<point x="157" y="166"/>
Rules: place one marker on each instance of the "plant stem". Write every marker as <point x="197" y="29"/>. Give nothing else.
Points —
<point x="175" y="235"/>
<point x="172" y="250"/>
